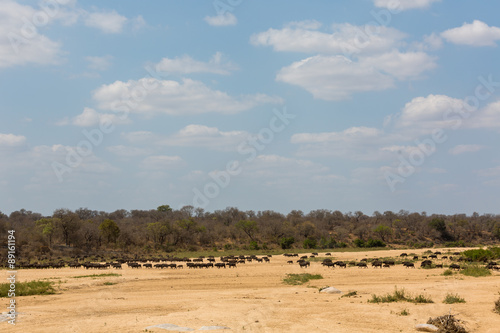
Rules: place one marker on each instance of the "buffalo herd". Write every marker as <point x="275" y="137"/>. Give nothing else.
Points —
<point x="232" y="261"/>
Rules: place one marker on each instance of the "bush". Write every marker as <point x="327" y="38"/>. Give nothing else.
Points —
<point x="497" y="306"/>
<point x="475" y="271"/>
<point x="298" y="279"/>
<point x="254" y="246"/>
<point x="491" y="253"/>
<point x="28" y="288"/>
<point x="310" y="243"/>
<point x="400" y="295"/>
<point x="359" y="242"/>
<point x="369" y="243"/>
<point x="452" y="299"/>
<point x="448" y="272"/>
<point x="459" y="243"/>
<point x="287" y="242"/>
<point x="375" y="243"/>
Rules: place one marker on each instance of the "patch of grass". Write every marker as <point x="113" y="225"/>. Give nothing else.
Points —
<point x="298" y="279"/>
<point x="400" y="295"/>
<point x="497" y="306"/>
<point x="109" y="283"/>
<point x="96" y="275"/>
<point x="448" y="272"/>
<point x="28" y="288"/>
<point x="350" y="294"/>
<point x="404" y="312"/>
<point x="452" y="299"/>
<point x="475" y="271"/>
<point x="419" y="299"/>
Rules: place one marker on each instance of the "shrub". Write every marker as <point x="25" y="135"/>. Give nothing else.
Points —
<point x="28" y="288"/>
<point x="310" y="243"/>
<point x="375" y="243"/>
<point x="254" y="246"/>
<point x="475" y="271"/>
<point x="452" y="299"/>
<point x="478" y="254"/>
<point x="497" y="306"/>
<point x="298" y="279"/>
<point x="287" y="242"/>
<point x="448" y="272"/>
<point x="400" y="295"/>
<point x="404" y="312"/>
<point x="350" y="294"/>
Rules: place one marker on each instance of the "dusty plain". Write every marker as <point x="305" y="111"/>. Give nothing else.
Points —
<point x="252" y="298"/>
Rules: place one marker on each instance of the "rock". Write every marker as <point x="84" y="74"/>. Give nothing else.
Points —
<point x="171" y="327"/>
<point x="207" y="328"/>
<point x="426" y="328"/>
<point x="330" y="290"/>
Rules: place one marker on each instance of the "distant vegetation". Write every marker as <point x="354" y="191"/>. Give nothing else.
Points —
<point x="165" y="230"/>
<point x="453" y="298"/>
<point x="400" y="295"/>
<point x="28" y="288"/>
<point x="297" y="279"/>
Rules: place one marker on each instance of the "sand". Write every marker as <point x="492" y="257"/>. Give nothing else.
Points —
<point x="251" y="298"/>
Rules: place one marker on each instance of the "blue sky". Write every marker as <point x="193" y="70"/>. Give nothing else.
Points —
<point x="281" y="105"/>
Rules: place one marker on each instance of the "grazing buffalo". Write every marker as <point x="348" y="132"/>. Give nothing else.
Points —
<point x="376" y="264"/>
<point x="426" y="264"/>
<point x="455" y="266"/>
<point x="304" y="264"/>
<point x="340" y="264"/>
<point x="408" y="264"/>
<point x="361" y="265"/>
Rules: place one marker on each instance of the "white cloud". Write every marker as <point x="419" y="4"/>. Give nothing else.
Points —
<point x="402" y="66"/>
<point x="476" y="33"/>
<point x="139" y="137"/>
<point x="422" y="115"/>
<point x="21" y="45"/>
<point x="462" y="149"/>
<point x="11" y="140"/>
<point x="161" y="162"/>
<point x="187" y="65"/>
<point x="221" y="20"/>
<point x="173" y="98"/>
<point x="358" y="143"/>
<point x="275" y="170"/>
<point x="99" y="63"/>
<point x="429" y="42"/>
<point x="400" y="5"/>
<point x="204" y="136"/>
<point x="336" y="78"/>
<point x="90" y="117"/>
<point x="346" y="38"/>
<point x="128" y="151"/>
<point x="108" y="22"/>
<point x="138" y="23"/>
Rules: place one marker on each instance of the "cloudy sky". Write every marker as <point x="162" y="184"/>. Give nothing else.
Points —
<point x="343" y="105"/>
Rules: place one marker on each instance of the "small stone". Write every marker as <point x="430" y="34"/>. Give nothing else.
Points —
<point x="426" y="328"/>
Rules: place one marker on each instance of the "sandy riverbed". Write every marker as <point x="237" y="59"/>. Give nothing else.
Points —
<point x="251" y="298"/>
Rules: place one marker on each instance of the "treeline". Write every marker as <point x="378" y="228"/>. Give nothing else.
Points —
<point x="86" y="231"/>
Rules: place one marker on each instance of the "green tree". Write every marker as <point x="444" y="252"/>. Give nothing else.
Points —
<point x="248" y="227"/>
<point x="440" y="226"/>
<point x="164" y="208"/>
<point x="159" y="231"/>
<point x="109" y="230"/>
<point x="383" y="231"/>
<point x="47" y="227"/>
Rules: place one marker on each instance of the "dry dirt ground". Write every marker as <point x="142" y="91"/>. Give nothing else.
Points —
<point x="251" y="298"/>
